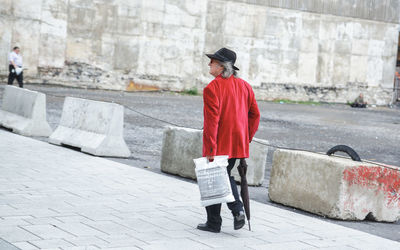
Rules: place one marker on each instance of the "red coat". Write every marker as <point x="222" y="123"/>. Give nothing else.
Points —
<point x="231" y="117"/>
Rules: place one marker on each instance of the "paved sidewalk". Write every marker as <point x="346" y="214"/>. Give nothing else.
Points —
<point x="56" y="198"/>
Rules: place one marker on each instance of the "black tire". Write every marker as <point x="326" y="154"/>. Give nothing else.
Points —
<point x="345" y="149"/>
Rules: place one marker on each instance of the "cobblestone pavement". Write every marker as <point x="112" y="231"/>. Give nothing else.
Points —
<point x="373" y="132"/>
<point x="56" y="198"/>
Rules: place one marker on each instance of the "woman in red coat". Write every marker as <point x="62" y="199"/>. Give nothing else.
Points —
<point x="231" y="119"/>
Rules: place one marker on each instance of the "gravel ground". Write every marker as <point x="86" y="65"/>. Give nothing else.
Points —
<point x="374" y="132"/>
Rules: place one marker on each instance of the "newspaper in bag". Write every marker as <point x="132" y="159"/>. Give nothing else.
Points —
<point x="213" y="180"/>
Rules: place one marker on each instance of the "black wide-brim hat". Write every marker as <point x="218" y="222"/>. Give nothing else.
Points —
<point x="224" y="55"/>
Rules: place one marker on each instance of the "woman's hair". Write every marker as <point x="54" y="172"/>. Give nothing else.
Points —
<point x="228" y="69"/>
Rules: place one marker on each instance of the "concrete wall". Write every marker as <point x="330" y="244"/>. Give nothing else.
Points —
<point x="379" y="10"/>
<point x="24" y="112"/>
<point x="181" y="145"/>
<point x="300" y="50"/>
<point x="335" y="186"/>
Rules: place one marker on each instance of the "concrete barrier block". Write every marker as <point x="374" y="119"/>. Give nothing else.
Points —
<point x="335" y="187"/>
<point x="24" y="112"/>
<point x="94" y="127"/>
<point x="256" y="163"/>
<point x="182" y="145"/>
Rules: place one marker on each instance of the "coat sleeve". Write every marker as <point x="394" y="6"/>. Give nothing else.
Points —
<point x="211" y="120"/>
<point x="253" y="116"/>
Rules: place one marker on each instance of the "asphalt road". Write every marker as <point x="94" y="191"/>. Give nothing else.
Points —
<point x="374" y="132"/>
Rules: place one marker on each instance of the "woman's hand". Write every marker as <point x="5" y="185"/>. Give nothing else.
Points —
<point x="210" y="158"/>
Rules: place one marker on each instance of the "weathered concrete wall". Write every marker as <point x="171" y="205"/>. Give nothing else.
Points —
<point x="379" y="10"/>
<point x="95" y="127"/>
<point x="182" y="145"/>
<point x="24" y="112"/>
<point x="335" y="187"/>
<point x="300" y="50"/>
<point x="301" y="56"/>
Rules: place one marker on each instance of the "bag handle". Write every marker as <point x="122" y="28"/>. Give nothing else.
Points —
<point x="345" y="149"/>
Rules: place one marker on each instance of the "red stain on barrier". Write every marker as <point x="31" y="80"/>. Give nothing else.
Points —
<point x="349" y="203"/>
<point x="382" y="179"/>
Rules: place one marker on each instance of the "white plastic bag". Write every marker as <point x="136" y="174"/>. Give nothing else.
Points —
<point x="213" y="180"/>
<point x="18" y="71"/>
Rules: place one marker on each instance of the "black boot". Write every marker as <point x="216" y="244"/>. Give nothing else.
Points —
<point x="206" y="227"/>
<point x="238" y="220"/>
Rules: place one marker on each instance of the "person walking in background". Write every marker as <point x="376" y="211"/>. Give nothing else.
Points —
<point x="231" y="118"/>
<point x="15" y="67"/>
